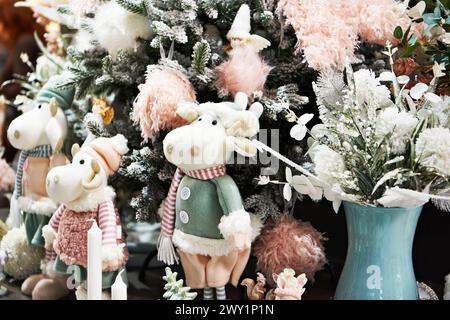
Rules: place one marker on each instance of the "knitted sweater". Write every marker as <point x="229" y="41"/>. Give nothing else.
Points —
<point x="72" y="228"/>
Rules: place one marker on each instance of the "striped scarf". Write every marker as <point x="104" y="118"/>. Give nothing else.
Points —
<point x="166" y="251"/>
<point x="43" y="151"/>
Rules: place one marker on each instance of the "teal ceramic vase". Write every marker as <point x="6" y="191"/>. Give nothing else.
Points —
<point x="379" y="264"/>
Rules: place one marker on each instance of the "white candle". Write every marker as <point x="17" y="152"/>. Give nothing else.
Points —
<point x="119" y="288"/>
<point x="94" y="263"/>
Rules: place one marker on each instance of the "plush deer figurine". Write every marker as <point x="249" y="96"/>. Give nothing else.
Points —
<point x="82" y="189"/>
<point x="203" y="214"/>
<point x="40" y="134"/>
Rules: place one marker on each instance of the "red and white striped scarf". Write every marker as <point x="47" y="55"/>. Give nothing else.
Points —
<point x="168" y="217"/>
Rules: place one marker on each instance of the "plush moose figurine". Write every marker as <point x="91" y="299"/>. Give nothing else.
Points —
<point x="40" y="134"/>
<point x="82" y="189"/>
<point x="203" y="214"/>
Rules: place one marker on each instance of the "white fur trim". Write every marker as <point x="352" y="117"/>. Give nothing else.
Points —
<point x="198" y="245"/>
<point x="112" y="253"/>
<point x="120" y="144"/>
<point x="47" y="268"/>
<point x="44" y="206"/>
<point x="212" y="247"/>
<point x="236" y="222"/>
<point x="256" y="224"/>
<point x="49" y="234"/>
<point x="91" y="200"/>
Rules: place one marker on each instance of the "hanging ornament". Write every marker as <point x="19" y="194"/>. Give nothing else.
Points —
<point x="155" y="107"/>
<point x="117" y="29"/>
<point x="106" y="112"/>
<point x="244" y="71"/>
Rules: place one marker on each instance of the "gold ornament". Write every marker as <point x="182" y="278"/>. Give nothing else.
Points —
<point x="101" y="107"/>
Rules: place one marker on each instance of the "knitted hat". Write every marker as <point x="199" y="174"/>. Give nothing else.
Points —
<point x="50" y="90"/>
<point x="241" y="23"/>
<point x="108" y="152"/>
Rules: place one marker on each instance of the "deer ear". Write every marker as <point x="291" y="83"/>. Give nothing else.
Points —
<point x="188" y="111"/>
<point x="243" y="146"/>
<point x="257" y="109"/>
<point x="55" y="134"/>
<point x="75" y="149"/>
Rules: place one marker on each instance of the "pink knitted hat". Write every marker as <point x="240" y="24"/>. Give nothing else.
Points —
<point x="108" y="152"/>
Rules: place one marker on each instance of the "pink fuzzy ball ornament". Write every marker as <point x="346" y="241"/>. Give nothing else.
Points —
<point x="244" y="71"/>
<point x="289" y="243"/>
<point x="155" y="107"/>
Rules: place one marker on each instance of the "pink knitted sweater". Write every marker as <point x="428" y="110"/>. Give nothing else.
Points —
<point x="72" y="228"/>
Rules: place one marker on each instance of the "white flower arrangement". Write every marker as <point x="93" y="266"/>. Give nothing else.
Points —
<point x="375" y="147"/>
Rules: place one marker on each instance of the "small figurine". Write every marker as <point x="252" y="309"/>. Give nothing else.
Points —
<point x="239" y="33"/>
<point x="255" y="290"/>
<point x="40" y="134"/>
<point x="288" y="287"/>
<point x="203" y="214"/>
<point x="82" y="189"/>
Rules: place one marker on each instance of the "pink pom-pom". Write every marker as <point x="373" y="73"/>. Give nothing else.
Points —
<point x="244" y="71"/>
<point x="155" y="106"/>
<point x="7" y="176"/>
<point x="289" y="243"/>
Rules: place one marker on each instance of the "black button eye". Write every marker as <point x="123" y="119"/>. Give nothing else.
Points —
<point x="214" y="122"/>
<point x="39" y="106"/>
<point x="81" y="161"/>
<point x="199" y="119"/>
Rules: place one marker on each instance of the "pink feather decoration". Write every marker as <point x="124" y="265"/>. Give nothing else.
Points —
<point x="289" y="243"/>
<point x="244" y="71"/>
<point x="155" y="107"/>
<point x="325" y="37"/>
<point x="328" y="31"/>
<point x="7" y="176"/>
<point x="379" y="18"/>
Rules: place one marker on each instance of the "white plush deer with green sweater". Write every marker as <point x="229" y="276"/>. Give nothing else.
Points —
<point x="203" y="214"/>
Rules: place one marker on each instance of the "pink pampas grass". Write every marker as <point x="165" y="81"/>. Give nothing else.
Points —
<point x="155" y="106"/>
<point x="379" y="18"/>
<point x="7" y="176"/>
<point x="289" y="243"/>
<point x="324" y="36"/>
<point x="328" y="31"/>
<point x="244" y="71"/>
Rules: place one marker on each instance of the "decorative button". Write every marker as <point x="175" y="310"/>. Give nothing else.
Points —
<point x="185" y="193"/>
<point x="184" y="217"/>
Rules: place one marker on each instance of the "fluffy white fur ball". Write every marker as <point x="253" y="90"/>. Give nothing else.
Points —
<point x="116" y="29"/>
<point x="22" y="259"/>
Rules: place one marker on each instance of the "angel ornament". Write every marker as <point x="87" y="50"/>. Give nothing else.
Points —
<point x="239" y="34"/>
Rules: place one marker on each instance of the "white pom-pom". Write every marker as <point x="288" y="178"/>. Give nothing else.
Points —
<point x="116" y="29"/>
<point x="120" y="144"/>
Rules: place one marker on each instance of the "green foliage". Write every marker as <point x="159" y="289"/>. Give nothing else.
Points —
<point x="174" y="288"/>
<point x="134" y="6"/>
<point x="200" y="56"/>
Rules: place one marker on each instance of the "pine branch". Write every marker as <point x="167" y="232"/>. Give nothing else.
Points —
<point x="137" y="7"/>
<point x="201" y="56"/>
<point x="174" y="288"/>
<point x="97" y="130"/>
